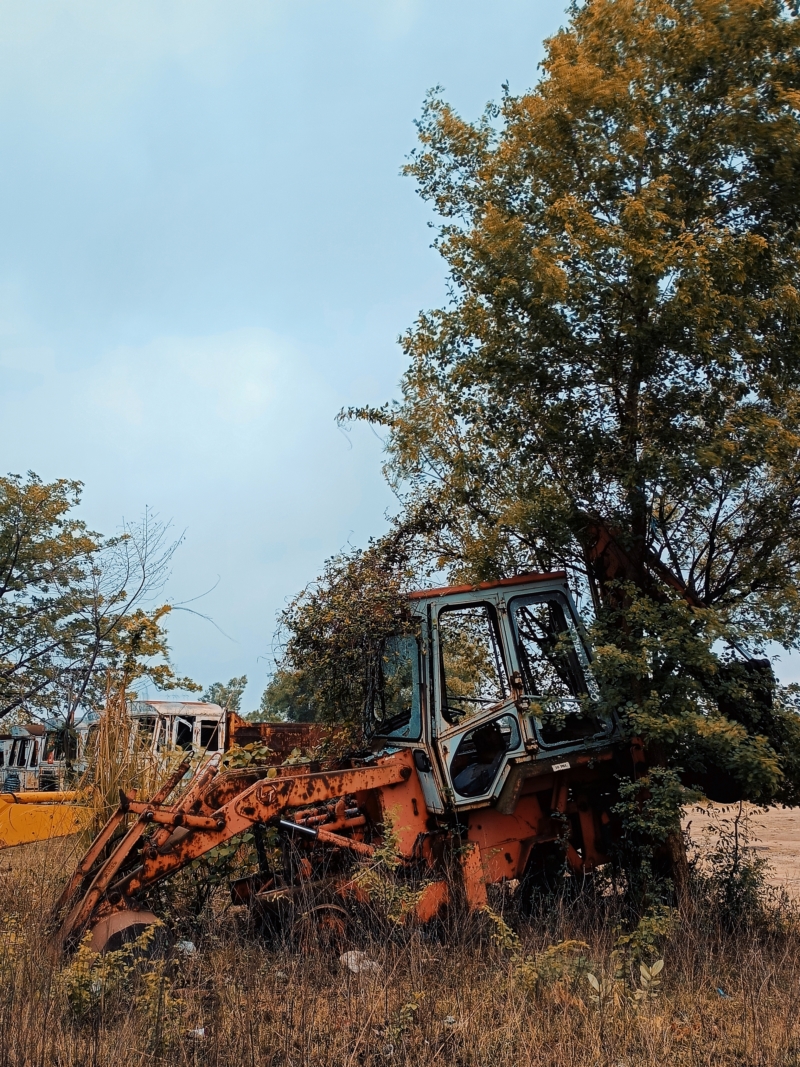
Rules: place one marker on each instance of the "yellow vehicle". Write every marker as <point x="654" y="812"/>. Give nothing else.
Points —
<point x="38" y="761"/>
<point x="36" y="816"/>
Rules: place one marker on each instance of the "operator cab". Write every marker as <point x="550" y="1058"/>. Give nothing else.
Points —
<point x="490" y="676"/>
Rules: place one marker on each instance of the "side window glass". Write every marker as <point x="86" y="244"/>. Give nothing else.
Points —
<point x="183" y="733"/>
<point x="551" y="653"/>
<point x="480" y="755"/>
<point x="145" y="728"/>
<point x="395" y="700"/>
<point x="555" y="670"/>
<point x="473" y="671"/>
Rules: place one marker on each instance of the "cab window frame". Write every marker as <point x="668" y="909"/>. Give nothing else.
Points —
<point x="499" y="653"/>
<point x="410" y="728"/>
<point x="577" y="652"/>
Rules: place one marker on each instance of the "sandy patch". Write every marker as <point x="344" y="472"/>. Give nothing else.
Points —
<point x="775" y="835"/>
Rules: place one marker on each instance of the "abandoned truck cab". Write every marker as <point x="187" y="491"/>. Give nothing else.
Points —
<point x="496" y="678"/>
<point x="495" y="695"/>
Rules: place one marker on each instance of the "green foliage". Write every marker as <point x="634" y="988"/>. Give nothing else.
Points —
<point x="660" y="672"/>
<point x="650" y="806"/>
<point x="392" y="900"/>
<point x="647" y="938"/>
<point x="650" y="810"/>
<point x="732" y="878"/>
<point x="232" y="859"/>
<point x="138" y="650"/>
<point x="95" y="981"/>
<point x="255" y="754"/>
<point x="46" y="559"/>
<point x="565" y="961"/>
<point x="285" y="698"/>
<point x="229" y="697"/>
<point x="612" y="992"/>
<point x="501" y="934"/>
<point x="335" y="632"/>
<point x="633" y="982"/>
<point x="70" y="602"/>
<point x="401" y="1022"/>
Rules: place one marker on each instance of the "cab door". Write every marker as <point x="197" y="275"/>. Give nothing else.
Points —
<point x="478" y="726"/>
<point x="398" y="705"/>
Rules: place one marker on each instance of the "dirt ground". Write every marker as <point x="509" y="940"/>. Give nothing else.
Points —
<point x="774" y="833"/>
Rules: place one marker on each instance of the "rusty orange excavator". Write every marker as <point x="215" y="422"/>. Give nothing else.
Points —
<point x="489" y="756"/>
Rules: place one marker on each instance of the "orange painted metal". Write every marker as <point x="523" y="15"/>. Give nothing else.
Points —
<point x="281" y="737"/>
<point x="344" y="842"/>
<point x="105" y="835"/>
<point x="335" y="809"/>
<point x="432" y="901"/>
<point x="474" y="877"/>
<point x="169" y="817"/>
<point x="505" y="841"/>
<point x="259" y="803"/>
<point x="501" y="583"/>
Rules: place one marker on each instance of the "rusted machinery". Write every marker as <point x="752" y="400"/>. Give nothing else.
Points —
<point x="488" y="757"/>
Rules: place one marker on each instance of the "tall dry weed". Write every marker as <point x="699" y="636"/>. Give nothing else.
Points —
<point x="119" y="757"/>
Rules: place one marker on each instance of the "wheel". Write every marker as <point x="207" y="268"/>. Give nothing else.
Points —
<point x="120" y="929"/>
<point x="323" y="926"/>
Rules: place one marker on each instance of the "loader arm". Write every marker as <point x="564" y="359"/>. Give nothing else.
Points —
<point x="199" y="823"/>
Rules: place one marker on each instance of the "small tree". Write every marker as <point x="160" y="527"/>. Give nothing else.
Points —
<point x="72" y="603"/>
<point x="229" y="697"/>
<point x="285" y="699"/>
<point x="335" y="628"/>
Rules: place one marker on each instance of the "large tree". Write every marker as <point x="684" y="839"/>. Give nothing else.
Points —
<point x="614" y="384"/>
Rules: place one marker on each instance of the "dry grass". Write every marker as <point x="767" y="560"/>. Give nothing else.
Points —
<point x="458" y="998"/>
<point x="119" y="758"/>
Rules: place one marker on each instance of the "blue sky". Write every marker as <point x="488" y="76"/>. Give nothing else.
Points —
<point x="207" y="250"/>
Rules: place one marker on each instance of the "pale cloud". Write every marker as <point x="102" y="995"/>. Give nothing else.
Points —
<point x="229" y="378"/>
<point x="85" y="57"/>
<point x="79" y="60"/>
<point x="225" y="404"/>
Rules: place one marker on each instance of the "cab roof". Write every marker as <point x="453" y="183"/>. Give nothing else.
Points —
<point x="501" y="583"/>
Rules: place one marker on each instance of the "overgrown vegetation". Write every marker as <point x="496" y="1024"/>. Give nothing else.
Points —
<point x="614" y="385"/>
<point x="571" y="985"/>
<point x="335" y="632"/>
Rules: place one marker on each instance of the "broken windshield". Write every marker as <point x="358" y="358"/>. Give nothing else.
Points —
<point x="395" y="700"/>
<point x="551" y="653"/>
